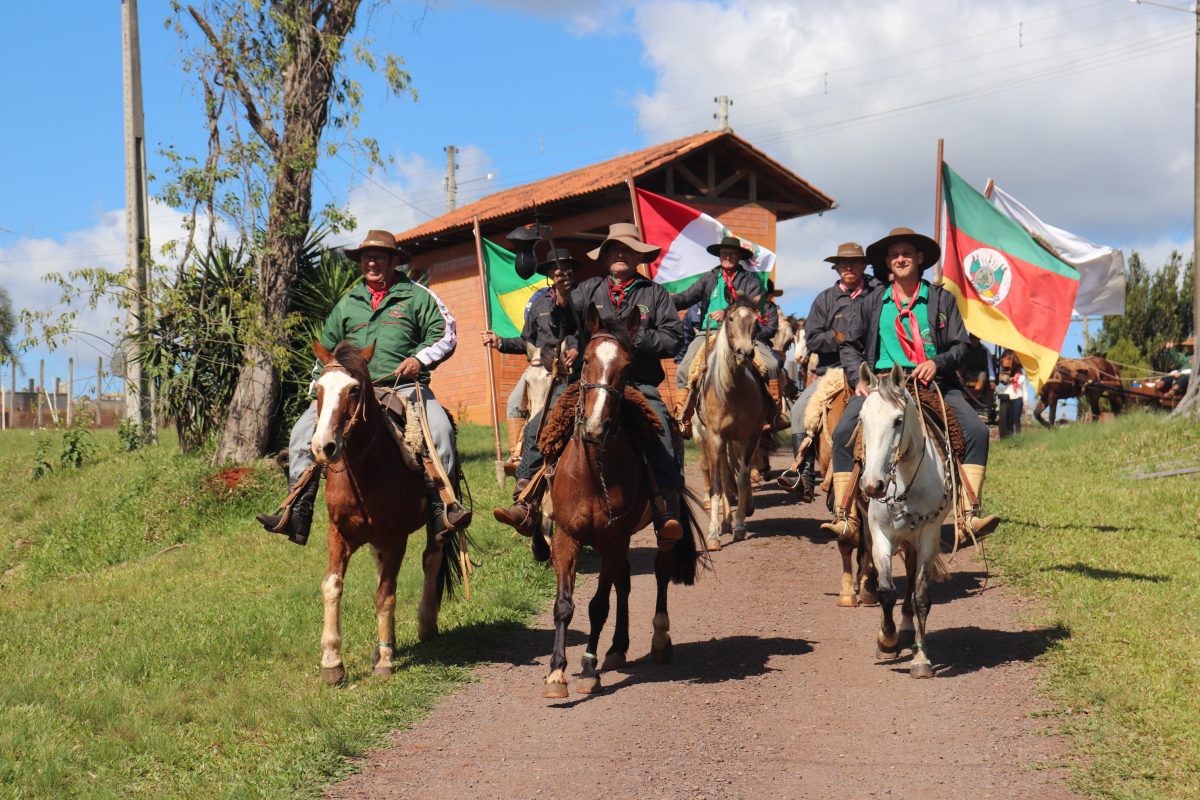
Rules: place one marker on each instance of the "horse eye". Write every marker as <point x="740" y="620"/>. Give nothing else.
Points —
<point x="355" y="389"/>
<point x="898" y="422"/>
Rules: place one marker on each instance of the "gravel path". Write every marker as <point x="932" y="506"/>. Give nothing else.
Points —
<point x="773" y="692"/>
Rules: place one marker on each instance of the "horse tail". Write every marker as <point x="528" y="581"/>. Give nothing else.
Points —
<point x="455" y="550"/>
<point x="686" y="553"/>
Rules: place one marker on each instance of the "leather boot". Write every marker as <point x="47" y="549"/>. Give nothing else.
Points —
<point x="980" y="525"/>
<point x="443" y="517"/>
<point x="666" y="519"/>
<point x="686" y="412"/>
<point x="521" y="517"/>
<point x="797" y="440"/>
<point x="295" y="522"/>
<point x="779" y="419"/>
<point x="845" y="524"/>
<point x="516" y="427"/>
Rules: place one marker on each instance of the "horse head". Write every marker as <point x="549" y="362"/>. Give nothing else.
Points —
<point x="343" y="393"/>
<point x="889" y="428"/>
<point x="739" y="327"/>
<point x="606" y="359"/>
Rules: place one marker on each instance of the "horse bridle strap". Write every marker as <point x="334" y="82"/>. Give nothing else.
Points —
<point x="360" y="410"/>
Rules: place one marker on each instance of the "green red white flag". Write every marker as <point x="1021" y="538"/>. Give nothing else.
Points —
<point x="684" y="234"/>
<point x="1010" y="290"/>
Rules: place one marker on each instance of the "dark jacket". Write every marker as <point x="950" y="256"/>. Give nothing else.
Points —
<point x="691" y="324"/>
<point x="950" y="337"/>
<point x="744" y="283"/>
<point x="658" y="336"/>
<point x="546" y="324"/>
<point x="828" y="317"/>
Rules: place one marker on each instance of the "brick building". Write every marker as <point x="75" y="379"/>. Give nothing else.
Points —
<point x="715" y="172"/>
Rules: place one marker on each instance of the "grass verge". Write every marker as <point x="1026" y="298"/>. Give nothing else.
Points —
<point x="1118" y="564"/>
<point x="132" y="667"/>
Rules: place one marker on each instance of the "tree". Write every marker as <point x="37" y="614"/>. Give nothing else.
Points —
<point x="8" y="323"/>
<point x="273" y="75"/>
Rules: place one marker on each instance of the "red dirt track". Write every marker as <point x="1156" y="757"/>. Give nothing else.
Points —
<point x="773" y="692"/>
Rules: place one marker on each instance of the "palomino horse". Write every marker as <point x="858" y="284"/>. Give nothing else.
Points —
<point x="375" y="493"/>
<point x="1091" y="377"/>
<point x="729" y="421"/>
<point x="601" y="497"/>
<point x="906" y="480"/>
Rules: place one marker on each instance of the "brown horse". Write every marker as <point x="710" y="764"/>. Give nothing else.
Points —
<point x="374" y="492"/>
<point x="729" y="421"/>
<point x="1092" y="377"/>
<point x="601" y="497"/>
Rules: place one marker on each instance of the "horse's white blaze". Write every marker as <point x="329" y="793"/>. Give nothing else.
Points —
<point x="331" y="634"/>
<point x="334" y="385"/>
<point x="605" y="352"/>
<point x="878" y="418"/>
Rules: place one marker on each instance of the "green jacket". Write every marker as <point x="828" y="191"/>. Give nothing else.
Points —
<point x="411" y="321"/>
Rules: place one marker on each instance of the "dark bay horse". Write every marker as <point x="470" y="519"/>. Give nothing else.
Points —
<point x="1092" y="377"/>
<point x="601" y="497"/>
<point x="374" y="491"/>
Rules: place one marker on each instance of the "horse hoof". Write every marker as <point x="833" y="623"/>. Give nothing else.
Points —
<point x="588" y="685"/>
<point x="920" y="671"/>
<point x="885" y="655"/>
<point x="334" y="676"/>
<point x="663" y="654"/>
<point x="739" y="533"/>
<point x="381" y="671"/>
<point x="868" y="599"/>
<point x="713" y="544"/>
<point x="555" y="691"/>
<point x="847" y="601"/>
<point x="426" y="631"/>
<point x="613" y="661"/>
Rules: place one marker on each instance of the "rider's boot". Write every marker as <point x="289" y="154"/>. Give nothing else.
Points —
<point x="295" y="522"/>
<point x="516" y="429"/>
<point x="797" y="440"/>
<point x="980" y="525"/>
<point x="845" y="523"/>
<point x="667" y="526"/>
<point x="686" y="412"/>
<point x="779" y="418"/>
<point x="443" y="517"/>
<point x="523" y="517"/>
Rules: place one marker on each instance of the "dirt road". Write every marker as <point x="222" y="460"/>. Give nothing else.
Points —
<point x="773" y="692"/>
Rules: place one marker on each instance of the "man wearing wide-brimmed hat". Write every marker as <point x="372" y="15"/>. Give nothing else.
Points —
<point x="658" y="337"/>
<point x="824" y="328"/>
<point x="370" y="313"/>
<point x="714" y="291"/>
<point x="546" y="316"/>
<point x="907" y="321"/>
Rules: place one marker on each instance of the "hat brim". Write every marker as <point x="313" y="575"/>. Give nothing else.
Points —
<point x="648" y="250"/>
<point x="715" y="249"/>
<point x="546" y="267"/>
<point x="877" y="252"/>
<point x="835" y="260"/>
<point x="355" y="252"/>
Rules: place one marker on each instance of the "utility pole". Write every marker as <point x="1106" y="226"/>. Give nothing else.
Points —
<point x="70" y="391"/>
<point x="722" y="116"/>
<point x="137" y="389"/>
<point x="450" y="183"/>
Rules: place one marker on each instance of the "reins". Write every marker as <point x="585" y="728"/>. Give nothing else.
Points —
<point x="584" y="388"/>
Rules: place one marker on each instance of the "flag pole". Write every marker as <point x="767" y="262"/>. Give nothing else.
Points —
<point x="637" y="219"/>
<point x="987" y="190"/>
<point x="491" y="370"/>
<point x="937" y="214"/>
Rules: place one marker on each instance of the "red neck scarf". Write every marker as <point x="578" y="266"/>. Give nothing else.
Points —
<point x="616" y="291"/>
<point x="727" y="276"/>
<point x="910" y="339"/>
<point x="377" y="295"/>
<point x="857" y="289"/>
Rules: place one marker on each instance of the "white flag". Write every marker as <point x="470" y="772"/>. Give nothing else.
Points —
<point x="1101" y="269"/>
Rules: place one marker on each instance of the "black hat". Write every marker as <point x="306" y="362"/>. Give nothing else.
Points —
<point x="877" y="252"/>
<point x="732" y="241"/>
<point x="560" y="256"/>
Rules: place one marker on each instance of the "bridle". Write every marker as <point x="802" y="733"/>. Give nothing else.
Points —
<point x="360" y="412"/>
<point x="615" y="415"/>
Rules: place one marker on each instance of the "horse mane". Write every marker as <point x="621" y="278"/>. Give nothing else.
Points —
<point x="349" y="357"/>
<point x="615" y="327"/>
<point x="720" y="380"/>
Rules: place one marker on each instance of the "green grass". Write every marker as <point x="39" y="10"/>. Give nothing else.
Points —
<point x="193" y="672"/>
<point x="1117" y="562"/>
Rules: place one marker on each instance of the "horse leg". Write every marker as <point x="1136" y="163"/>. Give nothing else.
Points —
<point x="660" y="643"/>
<point x="715" y="453"/>
<point x="921" y="668"/>
<point x="388" y="565"/>
<point x="847" y="598"/>
<point x="564" y="553"/>
<point x="906" y="608"/>
<point x="616" y="655"/>
<point x="431" y="593"/>
<point x="745" y="505"/>
<point x="868" y="577"/>
<point x="887" y="642"/>
<point x="333" y="671"/>
<point x="589" y="677"/>
<point x="1037" y="412"/>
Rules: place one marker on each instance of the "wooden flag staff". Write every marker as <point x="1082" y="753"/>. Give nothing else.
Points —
<point x="937" y="215"/>
<point x="491" y="370"/>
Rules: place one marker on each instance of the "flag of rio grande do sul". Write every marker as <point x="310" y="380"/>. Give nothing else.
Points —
<point x="1010" y="290"/>
<point x="684" y="234"/>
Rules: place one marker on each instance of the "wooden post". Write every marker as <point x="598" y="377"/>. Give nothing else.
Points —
<point x="70" y="390"/>
<point x="987" y="190"/>
<point x="13" y="421"/>
<point x="99" y="385"/>
<point x="643" y="269"/>
<point x="491" y="370"/>
<point x="937" y="215"/>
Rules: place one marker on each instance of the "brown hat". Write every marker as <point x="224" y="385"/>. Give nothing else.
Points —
<point x="847" y="251"/>
<point x="745" y="254"/>
<point x="381" y="240"/>
<point x="627" y="234"/>
<point x="877" y="251"/>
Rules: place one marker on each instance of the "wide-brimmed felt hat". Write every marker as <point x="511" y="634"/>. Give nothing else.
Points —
<point x="847" y="251"/>
<point x="563" y="256"/>
<point x="772" y="291"/>
<point x="627" y="234"/>
<point x="381" y="240"/>
<point x="877" y="251"/>
<point x="731" y="241"/>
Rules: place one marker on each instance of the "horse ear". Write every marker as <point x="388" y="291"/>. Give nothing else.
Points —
<point x="865" y="376"/>
<point x="592" y="319"/>
<point x="370" y="351"/>
<point x="757" y="299"/>
<point x="323" y="355"/>
<point x="897" y="375"/>
<point x="633" y="320"/>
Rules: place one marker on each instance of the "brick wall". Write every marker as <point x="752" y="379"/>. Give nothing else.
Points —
<point x="461" y="384"/>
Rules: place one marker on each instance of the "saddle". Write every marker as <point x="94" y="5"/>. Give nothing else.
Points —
<point x="830" y="385"/>
<point x="638" y="422"/>
<point x="945" y="435"/>
<point x="700" y="365"/>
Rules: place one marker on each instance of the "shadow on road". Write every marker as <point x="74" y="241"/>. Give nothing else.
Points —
<point x="1096" y="573"/>
<point x="960" y="651"/>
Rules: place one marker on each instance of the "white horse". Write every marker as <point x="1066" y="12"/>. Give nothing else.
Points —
<point x="905" y="479"/>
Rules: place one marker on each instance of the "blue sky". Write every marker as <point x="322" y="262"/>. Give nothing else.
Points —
<point x="1079" y="108"/>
